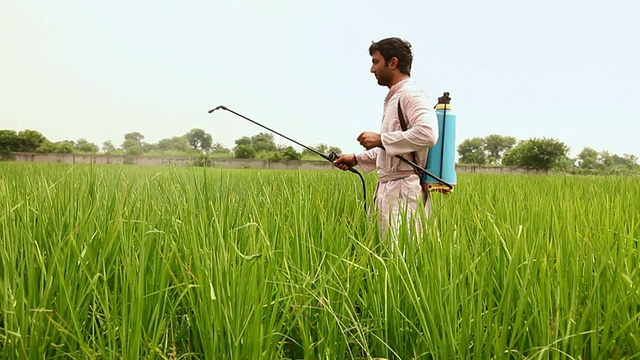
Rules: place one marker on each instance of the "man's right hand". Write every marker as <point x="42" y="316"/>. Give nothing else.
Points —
<point x="345" y="161"/>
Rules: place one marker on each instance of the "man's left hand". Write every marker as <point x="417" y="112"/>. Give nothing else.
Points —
<point x="370" y="140"/>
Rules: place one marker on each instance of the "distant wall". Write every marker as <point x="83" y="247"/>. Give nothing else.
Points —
<point x="476" y="169"/>
<point x="169" y="160"/>
<point x="235" y="163"/>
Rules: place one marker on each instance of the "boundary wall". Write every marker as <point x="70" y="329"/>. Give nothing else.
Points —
<point x="233" y="163"/>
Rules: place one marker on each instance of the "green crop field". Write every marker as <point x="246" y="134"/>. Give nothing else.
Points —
<point x="125" y="262"/>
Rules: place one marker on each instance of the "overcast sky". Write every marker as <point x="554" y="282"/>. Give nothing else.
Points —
<point x="99" y="69"/>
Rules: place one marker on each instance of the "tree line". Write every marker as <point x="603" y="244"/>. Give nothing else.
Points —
<point x="543" y="153"/>
<point x="195" y="142"/>
<point x="496" y="150"/>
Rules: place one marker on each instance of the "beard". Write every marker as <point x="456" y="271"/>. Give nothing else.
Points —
<point x="383" y="80"/>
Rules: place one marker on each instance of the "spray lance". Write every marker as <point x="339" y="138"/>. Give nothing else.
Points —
<point x="331" y="157"/>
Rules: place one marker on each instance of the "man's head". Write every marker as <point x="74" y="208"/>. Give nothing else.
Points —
<point x="391" y="58"/>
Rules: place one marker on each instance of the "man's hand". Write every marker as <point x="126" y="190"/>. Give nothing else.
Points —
<point x="370" y="140"/>
<point x="345" y="161"/>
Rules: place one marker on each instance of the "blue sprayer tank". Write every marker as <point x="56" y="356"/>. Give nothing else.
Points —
<point x="441" y="158"/>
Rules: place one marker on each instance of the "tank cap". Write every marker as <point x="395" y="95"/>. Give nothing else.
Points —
<point x="444" y="99"/>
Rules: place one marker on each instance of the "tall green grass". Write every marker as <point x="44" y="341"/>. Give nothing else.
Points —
<point x="178" y="263"/>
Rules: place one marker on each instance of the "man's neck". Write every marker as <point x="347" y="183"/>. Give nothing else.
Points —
<point x="398" y="79"/>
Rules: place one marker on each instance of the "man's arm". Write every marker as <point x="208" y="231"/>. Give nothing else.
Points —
<point x="366" y="160"/>
<point x="422" y="123"/>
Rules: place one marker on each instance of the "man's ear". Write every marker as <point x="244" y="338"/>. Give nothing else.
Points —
<point x="393" y="63"/>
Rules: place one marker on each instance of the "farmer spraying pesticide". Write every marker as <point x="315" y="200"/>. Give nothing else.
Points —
<point x="409" y="129"/>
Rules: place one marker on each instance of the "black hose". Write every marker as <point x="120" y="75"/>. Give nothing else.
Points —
<point x="364" y="191"/>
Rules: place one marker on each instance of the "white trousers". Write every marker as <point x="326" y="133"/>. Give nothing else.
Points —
<point x="401" y="201"/>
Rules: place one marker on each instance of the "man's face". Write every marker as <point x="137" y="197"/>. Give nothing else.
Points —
<point x="380" y="69"/>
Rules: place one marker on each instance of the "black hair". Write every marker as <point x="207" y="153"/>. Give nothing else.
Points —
<point x="394" y="47"/>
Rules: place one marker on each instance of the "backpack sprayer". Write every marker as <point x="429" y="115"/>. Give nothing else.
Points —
<point x="331" y="157"/>
<point x="439" y="172"/>
<point x="442" y="156"/>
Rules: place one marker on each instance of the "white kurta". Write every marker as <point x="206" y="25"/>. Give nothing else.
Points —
<point x="399" y="193"/>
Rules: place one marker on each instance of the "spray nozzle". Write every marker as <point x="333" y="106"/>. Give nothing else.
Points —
<point x="218" y="107"/>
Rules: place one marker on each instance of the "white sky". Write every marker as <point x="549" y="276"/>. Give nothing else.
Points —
<point x="558" y="69"/>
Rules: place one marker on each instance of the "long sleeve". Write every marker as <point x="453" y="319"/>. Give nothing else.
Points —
<point x="422" y="132"/>
<point x="422" y="123"/>
<point x="367" y="159"/>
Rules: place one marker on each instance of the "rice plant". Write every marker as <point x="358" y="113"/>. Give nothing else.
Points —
<point x="176" y="263"/>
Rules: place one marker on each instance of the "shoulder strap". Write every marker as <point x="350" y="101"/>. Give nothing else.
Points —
<point x="403" y="124"/>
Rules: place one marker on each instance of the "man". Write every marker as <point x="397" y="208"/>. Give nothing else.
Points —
<point x="399" y="194"/>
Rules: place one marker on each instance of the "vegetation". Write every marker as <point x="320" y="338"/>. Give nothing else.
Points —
<point x="543" y="154"/>
<point x="496" y="150"/>
<point x="183" y="263"/>
<point x="537" y="153"/>
<point x="196" y="142"/>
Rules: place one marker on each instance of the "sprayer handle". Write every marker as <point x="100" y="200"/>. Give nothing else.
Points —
<point x="333" y="156"/>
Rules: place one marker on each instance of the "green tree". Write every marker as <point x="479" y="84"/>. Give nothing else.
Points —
<point x="218" y="148"/>
<point x="48" y="147"/>
<point x="245" y="140"/>
<point x="537" y="153"/>
<point x="149" y="147"/>
<point x="323" y="149"/>
<point x="64" y="147"/>
<point x="60" y="147"/>
<point x="107" y="147"/>
<point x="198" y="139"/>
<point x="496" y="145"/>
<point x="245" y="152"/>
<point x="289" y="153"/>
<point x="631" y="159"/>
<point x="334" y="149"/>
<point x="175" y="143"/>
<point x="29" y="141"/>
<point x="263" y="142"/>
<point x="471" y="151"/>
<point x="514" y="156"/>
<point x="588" y="159"/>
<point x="132" y="144"/>
<point x="8" y="141"/>
<point x="84" y="146"/>
<point x="611" y="160"/>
